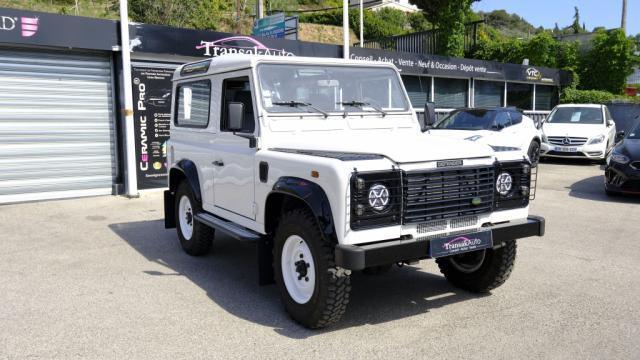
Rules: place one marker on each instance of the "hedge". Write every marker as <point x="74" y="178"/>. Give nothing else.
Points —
<point x="573" y="96"/>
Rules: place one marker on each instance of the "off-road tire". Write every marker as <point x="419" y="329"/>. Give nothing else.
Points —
<point x="377" y="270"/>
<point x="493" y="272"/>
<point x="202" y="237"/>
<point x="332" y="285"/>
<point x="534" y="153"/>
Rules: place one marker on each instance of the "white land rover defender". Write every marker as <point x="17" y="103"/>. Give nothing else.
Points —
<point x="322" y="163"/>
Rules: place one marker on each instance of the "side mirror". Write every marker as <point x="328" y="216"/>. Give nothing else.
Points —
<point x="610" y="123"/>
<point x="235" y="116"/>
<point x="429" y="116"/>
<point x="620" y="135"/>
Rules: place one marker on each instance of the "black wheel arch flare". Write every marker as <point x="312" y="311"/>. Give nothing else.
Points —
<point x="314" y="197"/>
<point x="183" y="170"/>
<point x="188" y="170"/>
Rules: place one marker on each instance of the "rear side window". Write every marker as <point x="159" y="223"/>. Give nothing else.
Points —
<point x="193" y="103"/>
<point x="516" y="117"/>
<point x="502" y="120"/>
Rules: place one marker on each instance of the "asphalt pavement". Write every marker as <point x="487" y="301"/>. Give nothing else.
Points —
<point x="101" y="278"/>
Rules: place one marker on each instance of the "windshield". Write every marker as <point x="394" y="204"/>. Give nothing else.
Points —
<point x="296" y="88"/>
<point x="576" y="115"/>
<point x="468" y="120"/>
<point x="635" y="133"/>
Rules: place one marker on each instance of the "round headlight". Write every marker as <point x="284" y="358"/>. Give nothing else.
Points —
<point x="504" y="183"/>
<point x="378" y="197"/>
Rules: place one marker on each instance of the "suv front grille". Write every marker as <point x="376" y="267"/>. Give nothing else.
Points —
<point x="444" y="194"/>
<point x="567" y="140"/>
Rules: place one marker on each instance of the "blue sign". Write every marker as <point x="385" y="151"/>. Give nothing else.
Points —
<point x="270" y="27"/>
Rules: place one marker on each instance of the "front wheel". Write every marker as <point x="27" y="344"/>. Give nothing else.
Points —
<point x="479" y="271"/>
<point x="534" y="153"/>
<point x="314" y="291"/>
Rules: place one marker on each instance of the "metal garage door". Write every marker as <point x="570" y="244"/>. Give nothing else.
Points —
<point x="56" y="125"/>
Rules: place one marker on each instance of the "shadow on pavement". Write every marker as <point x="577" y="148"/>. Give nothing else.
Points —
<point x="569" y="161"/>
<point x="592" y="188"/>
<point x="230" y="278"/>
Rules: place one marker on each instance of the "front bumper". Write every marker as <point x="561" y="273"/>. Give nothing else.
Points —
<point x="622" y="178"/>
<point x="595" y="152"/>
<point x="358" y="257"/>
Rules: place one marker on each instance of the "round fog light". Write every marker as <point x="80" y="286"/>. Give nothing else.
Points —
<point x="504" y="183"/>
<point x="378" y="197"/>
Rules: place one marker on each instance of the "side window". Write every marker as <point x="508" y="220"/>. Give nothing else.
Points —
<point x="238" y="90"/>
<point x="516" y="117"/>
<point x="502" y="120"/>
<point x="194" y="99"/>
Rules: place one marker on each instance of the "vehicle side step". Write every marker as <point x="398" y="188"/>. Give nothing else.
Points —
<point x="229" y="228"/>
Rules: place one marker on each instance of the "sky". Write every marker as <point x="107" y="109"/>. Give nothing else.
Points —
<point x="546" y="13"/>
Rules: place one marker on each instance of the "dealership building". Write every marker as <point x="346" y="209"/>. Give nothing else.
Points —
<point x="62" y="132"/>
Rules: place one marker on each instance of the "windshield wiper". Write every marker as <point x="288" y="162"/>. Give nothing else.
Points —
<point x="296" y="104"/>
<point x="361" y="105"/>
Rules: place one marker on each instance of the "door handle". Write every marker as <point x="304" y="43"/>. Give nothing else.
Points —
<point x="218" y="163"/>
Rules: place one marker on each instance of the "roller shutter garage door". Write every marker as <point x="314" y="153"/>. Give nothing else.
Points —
<point x="57" y="136"/>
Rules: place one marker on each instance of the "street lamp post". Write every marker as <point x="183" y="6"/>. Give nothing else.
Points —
<point x="130" y="183"/>
<point x="345" y="28"/>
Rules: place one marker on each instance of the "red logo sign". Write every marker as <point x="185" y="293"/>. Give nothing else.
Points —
<point x="29" y="26"/>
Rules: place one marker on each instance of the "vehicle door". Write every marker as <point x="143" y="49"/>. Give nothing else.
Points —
<point x="611" y="130"/>
<point x="233" y="161"/>
<point x="193" y="131"/>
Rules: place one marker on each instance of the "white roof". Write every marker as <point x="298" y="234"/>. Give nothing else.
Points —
<point x="230" y="62"/>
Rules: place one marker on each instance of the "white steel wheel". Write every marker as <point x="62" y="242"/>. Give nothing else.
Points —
<point x="185" y="214"/>
<point x="298" y="269"/>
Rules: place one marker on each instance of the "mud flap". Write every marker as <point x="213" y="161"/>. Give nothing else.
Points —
<point x="265" y="261"/>
<point x="169" y="210"/>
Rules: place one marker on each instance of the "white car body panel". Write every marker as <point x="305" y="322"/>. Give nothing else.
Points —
<point x="519" y="135"/>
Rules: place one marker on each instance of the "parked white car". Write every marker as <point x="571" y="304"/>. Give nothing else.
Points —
<point x="578" y="131"/>
<point x="499" y="127"/>
<point x="322" y="164"/>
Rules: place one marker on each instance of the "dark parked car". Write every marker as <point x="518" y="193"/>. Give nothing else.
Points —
<point x="622" y="172"/>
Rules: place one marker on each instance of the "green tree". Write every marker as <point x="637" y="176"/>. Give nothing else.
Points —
<point x="377" y="24"/>
<point x="449" y="16"/>
<point x="418" y="22"/>
<point x="608" y="63"/>
<point x="198" y="14"/>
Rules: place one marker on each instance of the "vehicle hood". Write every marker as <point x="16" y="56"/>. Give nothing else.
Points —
<point x="410" y="147"/>
<point x="630" y="148"/>
<point x="574" y="130"/>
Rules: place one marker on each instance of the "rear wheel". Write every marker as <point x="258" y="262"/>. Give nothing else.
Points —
<point x="479" y="271"/>
<point x="314" y="291"/>
<point x="195" y="237"/>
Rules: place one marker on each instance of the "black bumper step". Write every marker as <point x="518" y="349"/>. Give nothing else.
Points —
<point x="356" y="257"/>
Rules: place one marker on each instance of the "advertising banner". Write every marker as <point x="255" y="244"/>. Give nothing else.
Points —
<point x="152" y="118"/>
<point x="38" y="28"/>
<point x="270" y="27"/>
<point x="201" y="43"/>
